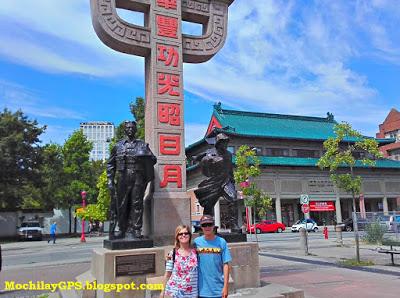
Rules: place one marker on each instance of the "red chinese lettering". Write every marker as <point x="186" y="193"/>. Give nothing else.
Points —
<point x="167" y="26"/>
<point x="169" y="55"/>
<point x="169" y="113"/>
<point x="167" y="4"/>
<point x="168" y="82"/>
<point x="172" y="174"/>
<point x="170" y="145"/>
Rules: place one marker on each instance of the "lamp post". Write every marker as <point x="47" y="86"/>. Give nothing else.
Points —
<point x="83" y="195"/>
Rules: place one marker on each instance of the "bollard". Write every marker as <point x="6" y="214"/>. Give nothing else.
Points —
<point x="303" y="241"/>
<point x="339" y="237"/>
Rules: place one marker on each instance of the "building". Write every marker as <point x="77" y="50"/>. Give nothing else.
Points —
<point x="390" y="128"/>
<point x="289" y="148"/>
<point x="100" y="134"/>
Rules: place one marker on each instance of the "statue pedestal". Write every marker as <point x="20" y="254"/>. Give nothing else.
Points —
<point x="118" y="244"/>
<point x="169" y="210"/>
<point x="127" y="268"/>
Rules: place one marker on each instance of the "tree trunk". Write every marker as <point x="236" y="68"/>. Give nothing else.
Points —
<point x="355" y="223"/>
<point x="69" y="219"/>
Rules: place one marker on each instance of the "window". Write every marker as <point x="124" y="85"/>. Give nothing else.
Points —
<point x="305" y="153"/>
<point x="258" y="150"/>
<point x="277" y="152"/>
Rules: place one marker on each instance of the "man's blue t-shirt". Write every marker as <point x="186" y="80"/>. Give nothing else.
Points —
<point x="212" y="255"/>
<point x="53" y="228"/>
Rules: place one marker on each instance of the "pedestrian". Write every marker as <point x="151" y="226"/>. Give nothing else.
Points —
<point x="181" y="273"/>
<point x="100" y="229"/>
<point x="53" y="229"/>
<point x="214" y="258"/>
<point x="90" y="228"/>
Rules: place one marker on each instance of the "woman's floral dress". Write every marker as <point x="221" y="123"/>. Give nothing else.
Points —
<point x="183" y="280"/>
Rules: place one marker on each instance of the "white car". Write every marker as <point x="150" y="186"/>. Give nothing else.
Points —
<point x="30" y="230"/>
<point x="309" y="223"/>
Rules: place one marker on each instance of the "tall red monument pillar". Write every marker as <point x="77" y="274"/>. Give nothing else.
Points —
<point x="165" y="49"/>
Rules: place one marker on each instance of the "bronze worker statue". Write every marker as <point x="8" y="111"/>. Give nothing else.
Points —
<point x="129" y="169"/>
<point x="216" y="165"/>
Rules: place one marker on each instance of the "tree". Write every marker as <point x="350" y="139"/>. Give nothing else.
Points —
<point x="247" y="168"/>
<point x="98" y="211"/>
<point x="76" y="171"/>
<point x="339" y="159"/>
<point x="19" y="157"/>
<point x="138" y="111"/>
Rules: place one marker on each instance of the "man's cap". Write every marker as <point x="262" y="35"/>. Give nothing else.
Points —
<point x="206" y="219"/>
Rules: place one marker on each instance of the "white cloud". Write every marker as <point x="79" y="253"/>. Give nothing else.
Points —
<point x="280" y="56"/>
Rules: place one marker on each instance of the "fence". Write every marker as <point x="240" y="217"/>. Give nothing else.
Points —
<point x="387" y="222"/>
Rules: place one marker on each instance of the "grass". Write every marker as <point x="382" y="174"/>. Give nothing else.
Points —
<point x="354" y="263"/>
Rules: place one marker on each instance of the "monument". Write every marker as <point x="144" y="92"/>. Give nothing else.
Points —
<point x="129" y="169"/>
<point x="216" y="165"/>
<point x="161" y="42"/>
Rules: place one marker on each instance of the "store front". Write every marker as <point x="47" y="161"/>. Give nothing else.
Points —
<point x="323" y="212"/>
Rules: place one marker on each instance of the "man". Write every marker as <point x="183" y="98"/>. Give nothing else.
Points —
<point x="216" y="165"/>
<point x="129" y="169"/>
<point x="214" y="258"/>
<point x="53" y="229"/>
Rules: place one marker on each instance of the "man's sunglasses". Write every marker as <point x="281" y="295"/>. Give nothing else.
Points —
<point x="209" y="224"/>
<point x="184" y="234"/>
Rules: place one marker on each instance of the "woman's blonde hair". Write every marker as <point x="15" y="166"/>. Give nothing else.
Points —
<point x="177" y="231"/>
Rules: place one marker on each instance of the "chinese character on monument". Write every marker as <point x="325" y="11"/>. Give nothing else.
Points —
<point x="165" y="49"/>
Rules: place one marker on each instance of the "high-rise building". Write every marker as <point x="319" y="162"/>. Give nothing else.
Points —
<point x="100" y="134"/>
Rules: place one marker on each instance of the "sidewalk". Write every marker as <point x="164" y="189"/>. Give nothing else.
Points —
<point x="330" y="252"/>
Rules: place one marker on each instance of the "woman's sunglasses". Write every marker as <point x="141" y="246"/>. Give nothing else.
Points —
<point x="184" y="234"/>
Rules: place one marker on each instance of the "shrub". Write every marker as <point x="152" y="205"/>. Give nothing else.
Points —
<point x="374" y="233"/>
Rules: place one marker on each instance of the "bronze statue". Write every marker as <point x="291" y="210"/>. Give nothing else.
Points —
<point x="129" y="169"/>
<point x="216" y="165"/>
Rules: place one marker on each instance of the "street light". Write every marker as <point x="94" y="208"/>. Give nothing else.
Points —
<point x="83" y="195"/>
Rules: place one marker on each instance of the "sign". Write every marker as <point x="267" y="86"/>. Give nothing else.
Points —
<point x="305" y="208"/>
<point x="304" y="199"/>
<point x="135" y="265"/>
<point x="322" y="206"/>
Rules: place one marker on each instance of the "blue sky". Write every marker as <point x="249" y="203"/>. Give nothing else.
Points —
<point x="299" y="57"/>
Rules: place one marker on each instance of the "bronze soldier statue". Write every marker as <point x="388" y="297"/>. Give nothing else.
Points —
<point x="216" y="165"/>
<point x="129" y="169"/>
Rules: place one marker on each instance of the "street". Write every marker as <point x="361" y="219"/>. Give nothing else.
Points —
<point x="281" y="262"/>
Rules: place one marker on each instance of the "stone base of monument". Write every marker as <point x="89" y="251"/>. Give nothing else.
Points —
<point x="147" y="265"/>
<point x="118" y="244"/>
<point x="233" y="237"/>
<point x="129" y="268"/>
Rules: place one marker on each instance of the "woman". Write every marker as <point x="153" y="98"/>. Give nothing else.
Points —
<point x="181" y="267"/>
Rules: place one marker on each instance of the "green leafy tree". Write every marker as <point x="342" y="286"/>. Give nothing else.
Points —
<point x="77" y="171"/>
<point x="247" y="168"/>
<point x="138" y="111"/>
<point x="19" y="157"/>
<point x="339" y="159"/>
<point x="99" y="210"/>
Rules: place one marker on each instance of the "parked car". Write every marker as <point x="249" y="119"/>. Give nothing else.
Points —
<point x="267" y="226"/>
<point x="346" y="225"/>
<point x="30" y="230"/>
<point x="310" y="224"/>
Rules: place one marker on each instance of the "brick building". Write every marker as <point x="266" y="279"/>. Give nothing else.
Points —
<point x="390" y="128"/>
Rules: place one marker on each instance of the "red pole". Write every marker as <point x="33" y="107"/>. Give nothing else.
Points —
<point x="83" y="194"/>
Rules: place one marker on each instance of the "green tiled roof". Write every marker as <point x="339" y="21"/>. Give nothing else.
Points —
<point x="277" y="126"/>
<point x="312" y="162"/>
